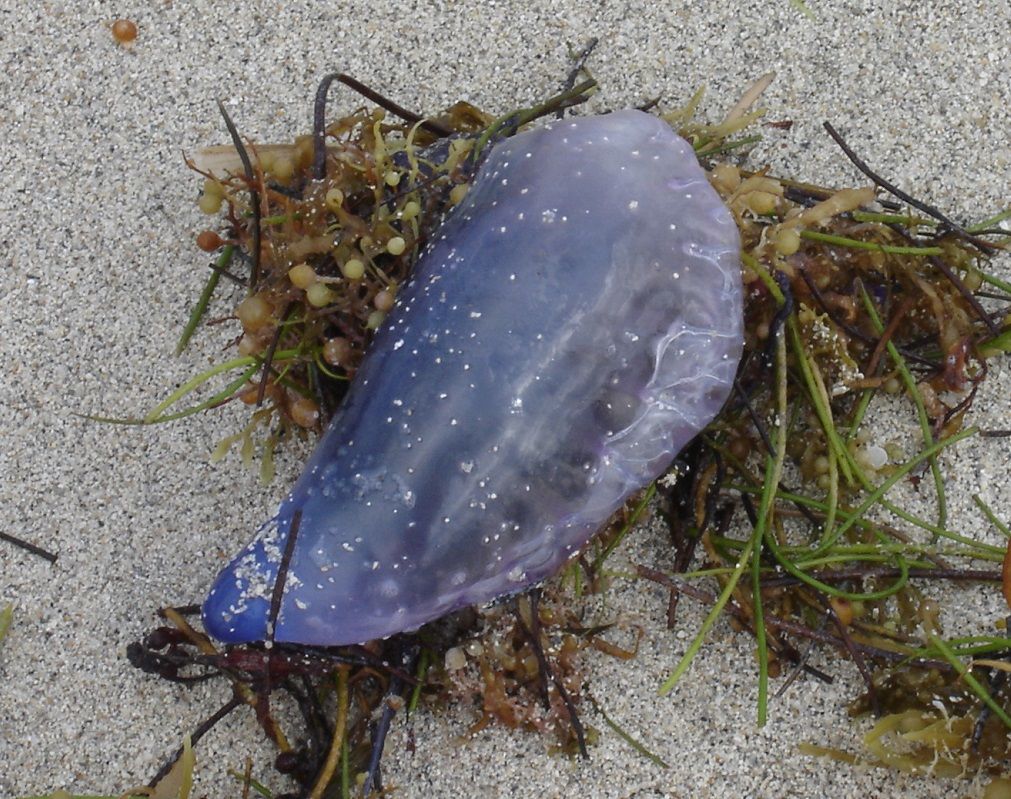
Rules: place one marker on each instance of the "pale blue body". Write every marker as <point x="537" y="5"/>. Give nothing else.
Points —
<point x="575" y="322"/>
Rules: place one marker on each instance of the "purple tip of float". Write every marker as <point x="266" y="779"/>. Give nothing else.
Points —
<point x="575" y="322"/>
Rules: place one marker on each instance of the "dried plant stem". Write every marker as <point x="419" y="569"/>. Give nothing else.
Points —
<point x="891" y="188"/>
<point x="252" y="184"/>
<point x="202" y="729"/>
<point x="28" y="546"/>
<point x="333" y="755"/>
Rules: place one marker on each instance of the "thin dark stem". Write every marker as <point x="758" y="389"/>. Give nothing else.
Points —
<point x="533" y="638"/>
<point x="905" y="307"/>
<point x="28" y="547"/>
<point x="182" y="610"/>
<point x="263" y="697"/>
<point x="779" y="318"/>
<point x="713" y="491"/>
<point x="533" y="634"/>
<point x="268" y="357"/>
<point x="225" y="273"/>
<point x="833" y="315"/>
<point x="196" y="735"/>
<point x="282" y="575"/>
<point x="406" y="657"/>
<point x="578" y="66"/>
<point x="684" y="552"/>
<point x="968" y="296"/>
<point x="996" y="685"/>
<point x="956" y="281"/>
<point x="800" y="666"/>
<point x="374" y="779"/>
<point x="306" y="697"/>
<point x="968" y="400"/>
<point x="891" y="188"/>
<point x="855" y="655"/>
<point x="650" y="104"/>
<point x="756" y="420"/>
<point x="319" y="117"/>
<point x="841" y="575"/>
<point x="433" y="127"/>
<point x="319" y="127"/>
<point x="788" y="651"/>
<point x="993" y="295"/>
<point x="254" y="193"/>
<point x="749" y="508"/>
<point x="854" y="332"/>
<point x="807" y="193"/>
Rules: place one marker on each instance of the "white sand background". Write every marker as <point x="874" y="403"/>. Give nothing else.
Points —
<point x="98" y="270"/>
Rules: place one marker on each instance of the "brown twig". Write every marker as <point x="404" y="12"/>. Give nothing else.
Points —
<point x="268" y="356"/>
<point x="676" y="585"/>
<point x="953" y="278"/>
<point x="282" y="575"/>
<point x="431" y="125"/>
<point x="800" y="665"/>
<point x="533" y="635"/>
<point x="28" y="547"/>
<point x="855" y="655"/>
<point x="756" y="420"/>
<point x="319" y="117"/>
<point x="893" y="324"/>
<point x="880" y="572"/>
<point x="196" y="735"/>
<point x="891" y="188"/>
<point x="254" y="193"/>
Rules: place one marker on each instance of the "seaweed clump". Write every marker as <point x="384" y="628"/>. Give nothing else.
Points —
<point x="325" y="229"/>
<point x="851" y="296"/>
<point x="518" y="665"/>
<point x="321" y="233"/>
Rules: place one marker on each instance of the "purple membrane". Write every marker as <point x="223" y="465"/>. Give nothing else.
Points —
<point x="574" y="323"/>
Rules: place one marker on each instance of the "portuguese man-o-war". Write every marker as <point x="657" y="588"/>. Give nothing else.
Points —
<point x="572" y="325"/>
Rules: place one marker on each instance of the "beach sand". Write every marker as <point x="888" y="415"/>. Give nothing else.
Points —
<point x="98" y="270"/>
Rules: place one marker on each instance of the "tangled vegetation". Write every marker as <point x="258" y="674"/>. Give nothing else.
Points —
<point x="774" y="512"/>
